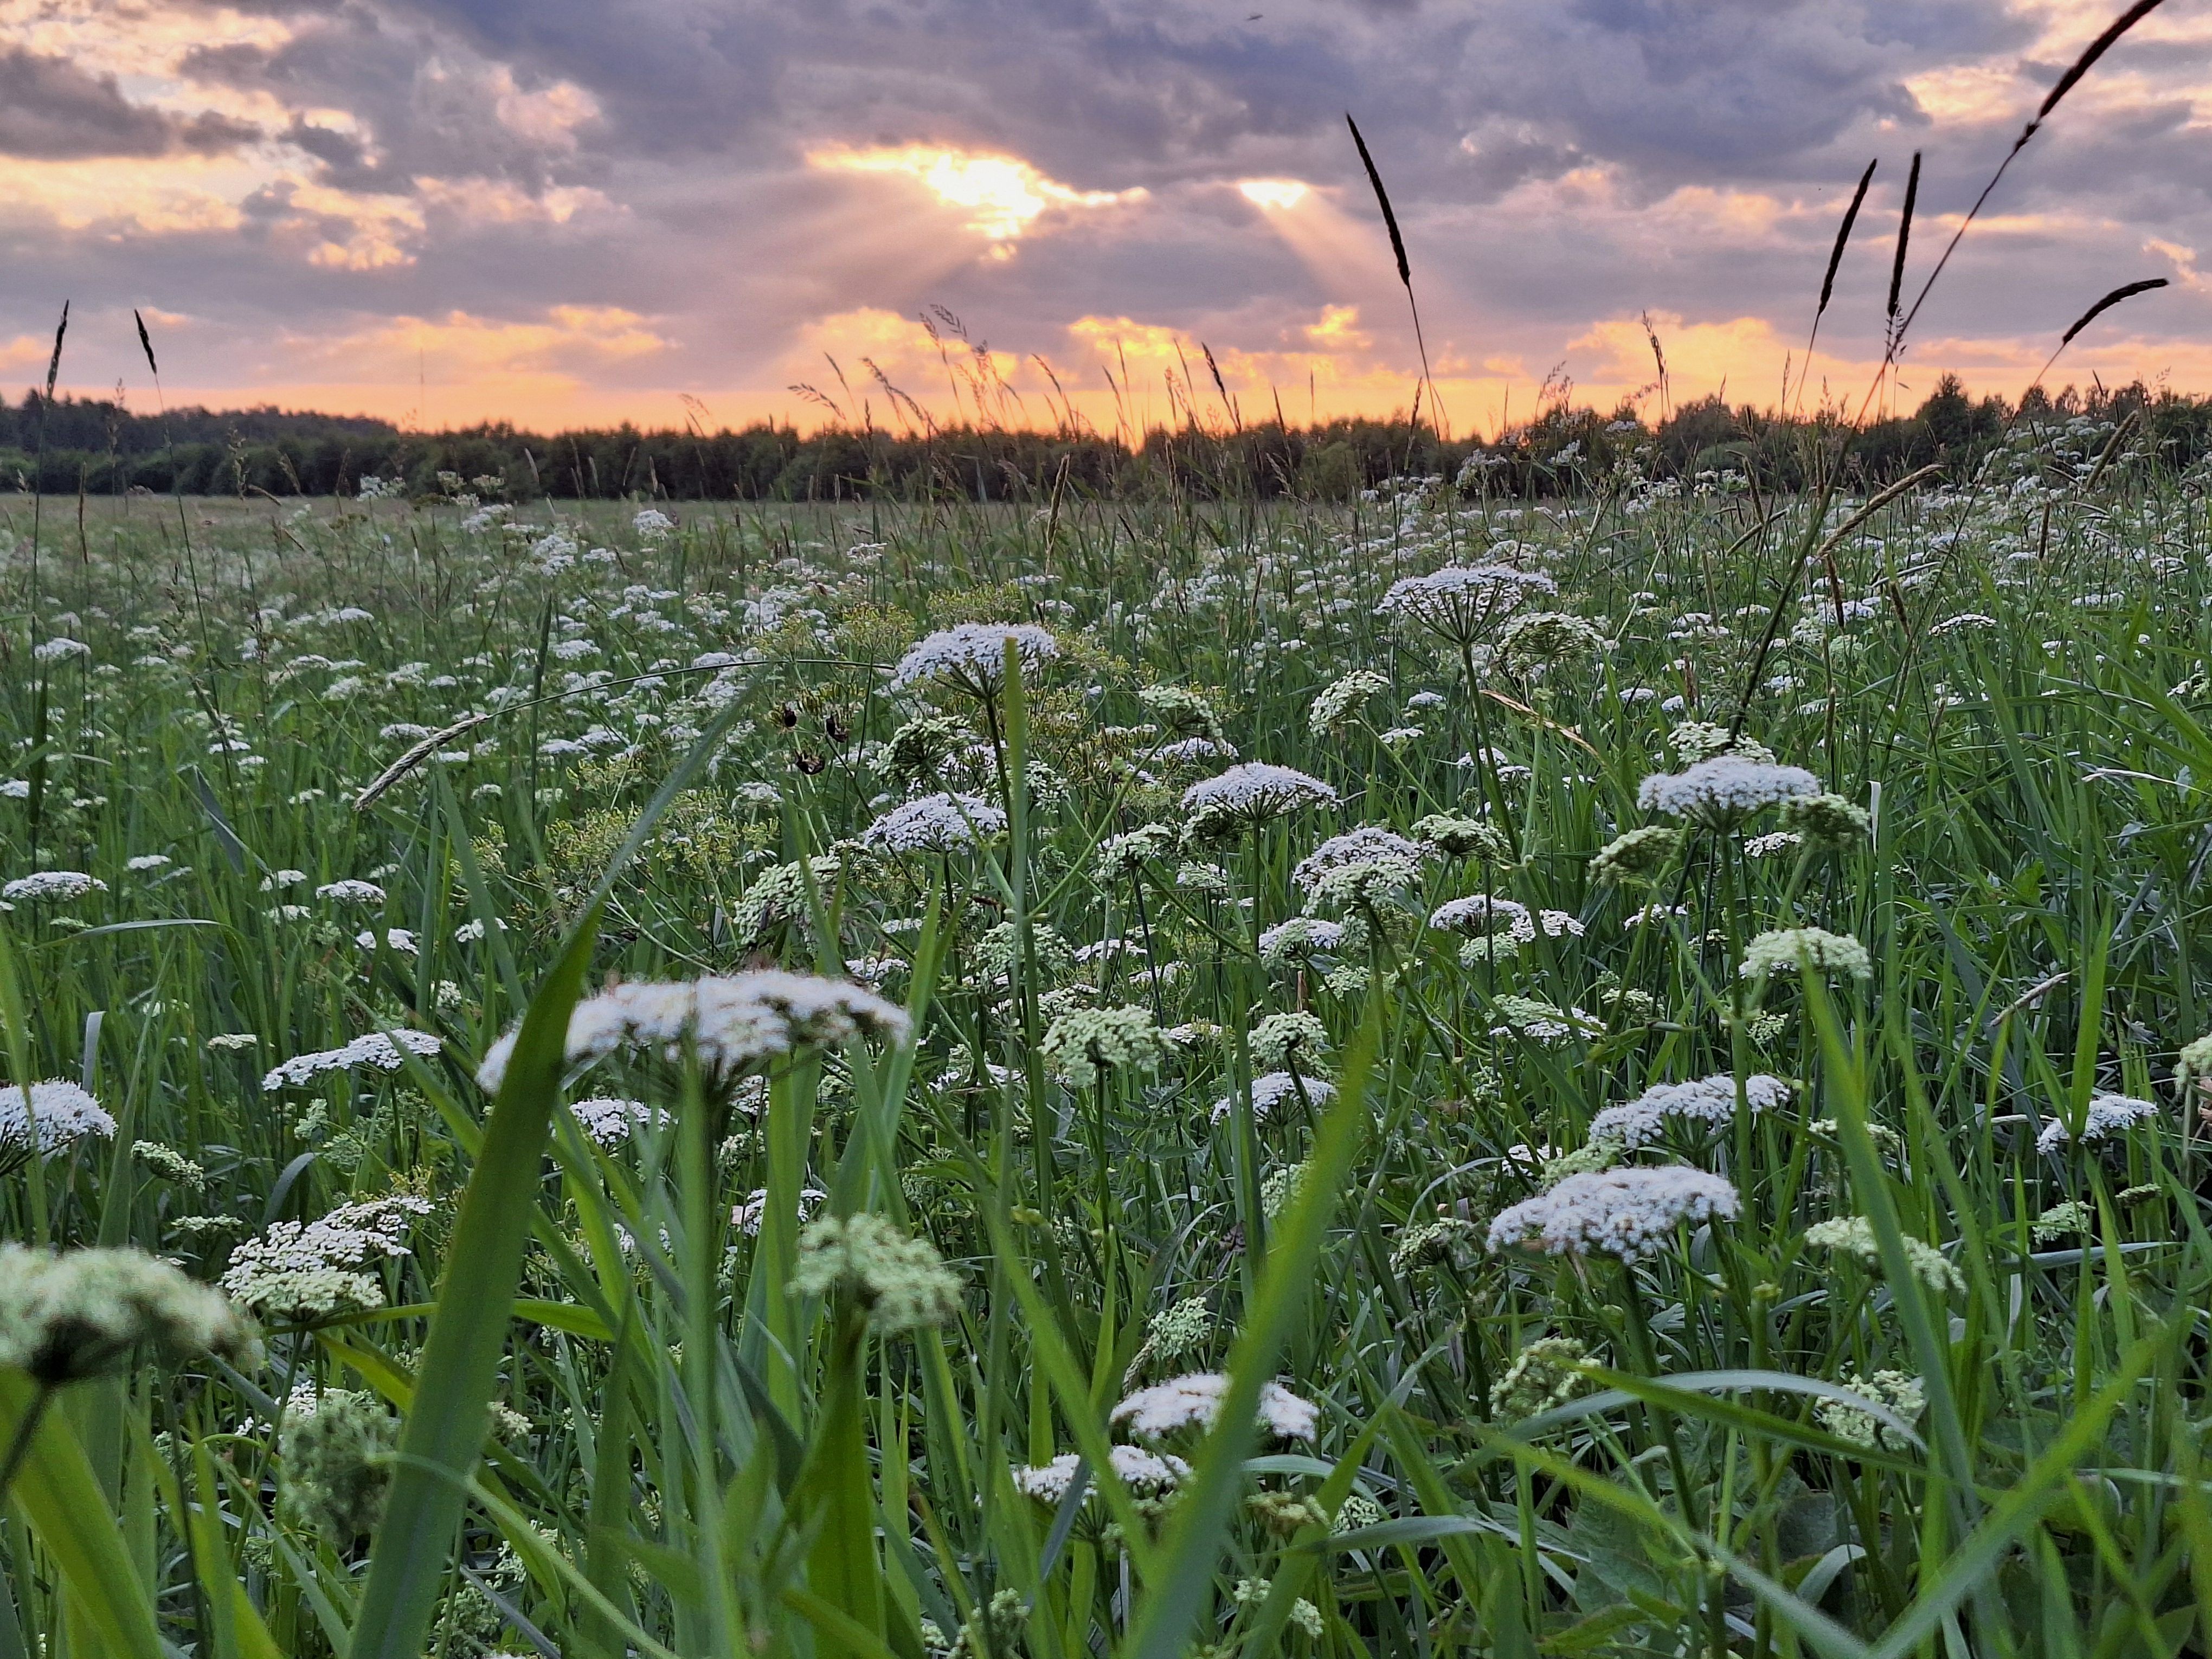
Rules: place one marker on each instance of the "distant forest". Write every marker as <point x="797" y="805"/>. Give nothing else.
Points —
<point x="71" y="446"/>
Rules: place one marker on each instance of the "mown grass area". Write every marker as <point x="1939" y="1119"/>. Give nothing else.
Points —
<point x="1666" y="1125"/>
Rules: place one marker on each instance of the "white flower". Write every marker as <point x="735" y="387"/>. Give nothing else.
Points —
<point x="1271" y="1089"/>
<point x="281" y="878"/>
<point x="1144" y="1473"/>
<point x="1381" y="852"/>
<point x="1251" y="794"/>
<point x="609" y="1122"/>
<point x="316" y="1269"/>
<point x="1192" y="1401"/>
<point x="651" y="525"/>
<point x="1622" y="1212"/>
<point x="1299" y="938"/>
<point x="746" y="1217"/>
<point x="1707" y="1100"/>
<point x="2109" y="1114"/>
<point x="55" y="886"/>
<point x="734" y="1022"/>
<point x="1479" y="915"/>
<point x="379" y="1049"/>
<point x="935" y="823"/>
<point x="1461" y="602"/>
<point x="15" y="789"/>
<point x="351" y="892"/>
<point x="395" y="939"/>
<point x="1853" y="1235"/>
<point x="58" y="1114"/>
<point x="971" y="658"/>
<point x="146" y="861"/>
<point x="59" y="649"/>
<point x="1785" y="948"/>
<point x="1724" y="790"/>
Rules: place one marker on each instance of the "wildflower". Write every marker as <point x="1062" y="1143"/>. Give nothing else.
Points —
<point x="1639" y="855"/>
<point x="384" y="1050"/>
<point x="1138" y="847"/>
<point x="746" y="1218"/>
<point x="2108" y="1115"/>
<point x="276" y="880"/>
<point x="1479" y="915"/>
<point x="1280" y="1037"/>
<point x="1246" y="796"/>
<point x="971" y="658"/>
<point x="232" y="1041"/>
<point x="149" y="862"/>
<point x="1379" y="856"/>
<point x="1193" y="1402"/>
<point x="1175" y="1331"/>
<point x="935" y="823"/>
<point x="1721" y="793"/>
<point x="1786" y="948"/>
<point x="1271" y="1089"/>
<point x="1898" y="1393"/>
<point x="1286" y="1514"/>
<point x="1828" y="822"/>
<point x="1146" y="1473"/>
<point x="1462" y="603"/>
<point x="1337" y="703"/>
<point x="778" y="895"/>
<point x="1543" y="1375"/>
<point x="651" y="525"/>
<point x="351" y="892"/>
<point x="735" y="1023"/>
<point x="52" y="887"/>
<point x="55" y="1116"/>
<point x="1709" y="1100"/>
<point x="1595" y="1158"/>
<point x="1459" y="837"/>
<point x="1701" y="740"/>
<point x="1358" y="1511"/>
<point x="901" y="1282"/>
<point x="2068" y="1219"/>
<point x="337" y="1469"/>
<point x="1760" y="846"/>
<point x="80" y="1314"/>
<point x="1445" y="1239"/>
<point x="314" y="1269"/>
<point x="607" y="1122"/>
<point x="1180" y="709"/>
<point x="1627" y="1213"/>
<point x="1535" y="641"/>
<point x="2193" y="1063"/>
<point x="1090" y="1041"/>
<point x="1541" y="1022"/>
<point x="1853" y="1235"/>
<point x="170" y="1163"/>
<point x="1299" y="940"/>
<point x="398" y="939"/>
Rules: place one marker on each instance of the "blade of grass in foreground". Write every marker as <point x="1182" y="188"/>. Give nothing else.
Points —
<point x="1193" y="1547"/>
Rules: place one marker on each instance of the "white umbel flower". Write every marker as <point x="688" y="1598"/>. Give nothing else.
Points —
<point x="1788" y="948"/>
<point x="2109" y="1114"/>
<point x="53" y="886"/>
<point x="57" y="1114"/>
<point x="1721" y="793"/>
<point x="319" y="1268"/>
<point x="1627" y="1213"/>
<point x="1462" y="602"/>
<point x="1708" y="1100"/>
<point x="971" y="658"/>
<point x="1251" y="795"/>
<point x="942" y="823"/>
<point x="351" y="892"/>
<point x="1480" y="915"/>
<point x="379" y="1049"/>
<point x="1193" y="1402"/>
<point x="1146" y="1473"/>
<point x="608" y="1122"/>
<point x="1371" y="848"/>
<point x="736" y="1023"/>
<point x="1271" y="1089"/>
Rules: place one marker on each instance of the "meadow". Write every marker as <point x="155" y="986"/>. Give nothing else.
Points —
<point x="1609" y="1075"/>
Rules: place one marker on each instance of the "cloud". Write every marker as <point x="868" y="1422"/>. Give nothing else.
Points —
<point x="53" y="109"/>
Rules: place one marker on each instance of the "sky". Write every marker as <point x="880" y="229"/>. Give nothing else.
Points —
<point x="568" y="212"/>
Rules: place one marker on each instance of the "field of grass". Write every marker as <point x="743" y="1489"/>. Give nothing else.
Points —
<point x="1670" y="1128"/>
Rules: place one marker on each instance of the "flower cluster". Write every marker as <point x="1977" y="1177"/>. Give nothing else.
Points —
<point x="1784" y="950"/>
<point x="901" y="1282"/>
<point x="383" y="1051"/>
<point x="1248" y="795"/>
<point x="971" y="657"/>
<point x="306" y="1270"/>
<point x="1627" y="1213"/>
<point x="80" y="1314"/>
<point x="1707" y="1100"/>
<point x="1194" y="1400"/>
<point x="935" y="823"/>
<point x="1721" y="793"/>
<point x="2108" y="1115"/>
<point x="55" y="1116"/>
<point x="1853" y="1235"/>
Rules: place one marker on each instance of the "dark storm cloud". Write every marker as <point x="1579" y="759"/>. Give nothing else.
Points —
<point x="51" y="109"/>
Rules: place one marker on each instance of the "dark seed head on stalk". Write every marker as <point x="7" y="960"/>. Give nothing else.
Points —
<point x="1844" y="236"/>
<point x="2125" y="291"/>
<point x="1903" y="237"/>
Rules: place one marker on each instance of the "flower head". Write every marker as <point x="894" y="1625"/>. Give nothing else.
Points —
<point x="1544" y="1374"/>
<point x="1638" y="855"/>
<point x="1853" y="1235"/>
<point x="52" y="887"/>
<point x="1146" y="1473"/>
<point x="1457" y="837"/>
<point x="971" y="658"/>
<point x="1479" y="915"/>
<point x="1271" y="1089"/>
<point x="1082" y="1043"/>
<point x="2109" y="1114"/>
<point x="317" y="1268"/>
<point x="736" y="1023"/>
<point x="1359" y="866"/>
<point x="1462" y="603"/>
<point x="1194" y="1400"/>
<point x="935" y="823"/>
<point x="1708" y="1100"/>
<point x="1627" y="1213"/>
<point x="1283" y="1039"/>
<point x="383" y="1051"/>
<point x="1788" y="948"/>
<point x="80" y="1314"/>
<point x="1248" y="795"/>
<point x="56" y="1115"/>
<point x="1721" y="793"/>
<point x="901" y="1282"/>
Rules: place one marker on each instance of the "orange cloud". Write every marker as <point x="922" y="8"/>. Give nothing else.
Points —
<point x="1005" y="194"/>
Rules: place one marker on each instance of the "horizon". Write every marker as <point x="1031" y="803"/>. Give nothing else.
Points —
<point x="571" y="217"/>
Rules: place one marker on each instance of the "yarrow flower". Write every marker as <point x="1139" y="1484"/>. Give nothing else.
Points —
<point x="1853" y="1235"/>
<point x="971" y="658"/>
<point x="1627" y="1213"/>
<point x="1194" y="1400"/>
<point x="1721" y="793"/>
<point x="2108" y="1115"/>
<point x="942" y="823"/>
<point x="1082" y="1043"/>
<point x="381" y="1049"/>
<point x="1787" y="948"/>
<point x="901" y="1282"/>
<point x="1707" y="1100"/>
<point x="55" y="1116"/>
<point x="80" y="1314"/>
<point x="52" y="887"/>
<point x="1248" y="795"/>
<point x="735" y="1023"/>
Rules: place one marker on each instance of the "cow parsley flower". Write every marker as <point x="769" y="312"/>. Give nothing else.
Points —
<point x="1479" y="915"/>
<point x="1359" y="864"/>
<point x="381" y="1049"/>
<point x="1721" y="793"/>
<point x="1338" y="703"/>
<point x="1785" y="948"/>
<point x="747" y="1217"/>
<point x="2193" y="1063"/>
<point x="52" y="887"/>
<point x="1462" y="603"/>
<point x="1898" y="1393"/>
<point x="608" y="1122"/>
<point x="1279" y="1038"/>
<point x="1708" y="1100"/>
<point x="1248" y="795"/>
<point x="735" y="1023"/>
<point x="1543" y="1375"/>
<point x="1535" y="642"/>
<point x="1081" y="1044"/>
<point x="1194" y="1400"/>
<point x="351" y="892"/>
<point x="1145" y="1473"/>
<point x="971" y="658"/>
<point x="56" y="1116"/>
<point x="1299" y="940"/>
<point x="336" y="1460"/>
<point x="314" y="1269"/>
<point x="1457" y="837"/>
<point x="1828" y="822"/>
<point x="1628" y="1213"/>
<point x="1271" y="1089"/>
<point x="80" y="1314"/>
<point x="1853" y="1235"/>
<point x="777" y="896"/>
<point x="2109" y="1114"/>
<point x="901" y="1282"/>
<point x="936" y="823"/>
